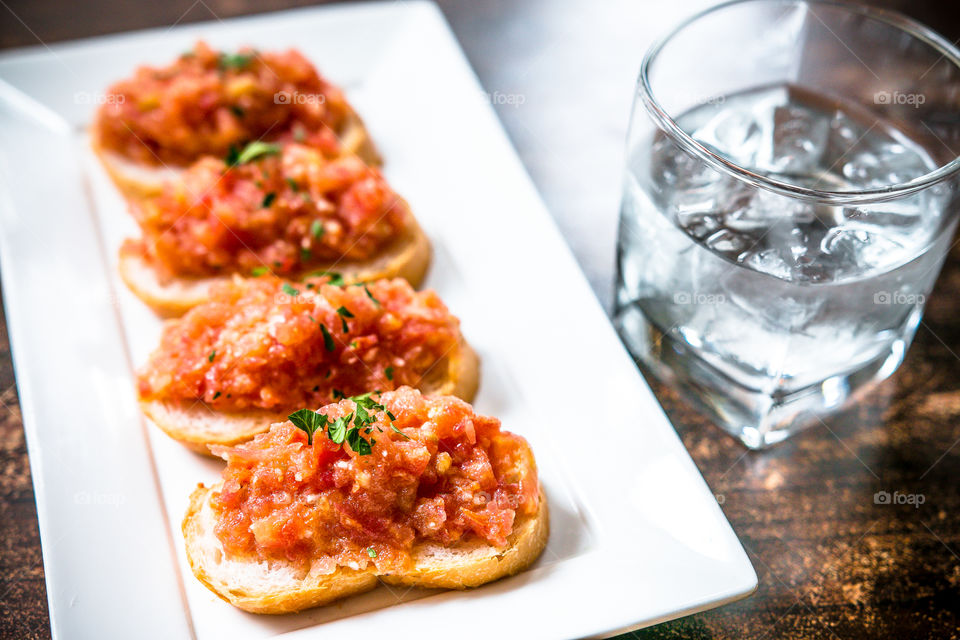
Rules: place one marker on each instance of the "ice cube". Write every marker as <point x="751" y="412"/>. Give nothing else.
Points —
<point x="760" y="209"/>
<point x="901" y="214"/>
<point x="733" y="134"/>
<point x="728" y="243"/>
<point x="769" y="261"/>
<point x="799" y="140"/>
<point x="699" y="224"/>
<point x="676" y="167"/>
<point x="884" y="164"/>
<point x="844" y="134"/>
<point x="858" y="251"/>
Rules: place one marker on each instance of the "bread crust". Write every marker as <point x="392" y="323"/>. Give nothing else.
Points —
<point x="274" y="588"/>
<point x="138" y="182"/>
<point x="199" y="426"/>
<point x="407" y="256"/>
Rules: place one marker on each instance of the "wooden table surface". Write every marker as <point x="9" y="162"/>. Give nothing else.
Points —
<point x="832" y="562"/>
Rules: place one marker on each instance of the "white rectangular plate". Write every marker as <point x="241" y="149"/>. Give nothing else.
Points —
<point x="637" y="538"/>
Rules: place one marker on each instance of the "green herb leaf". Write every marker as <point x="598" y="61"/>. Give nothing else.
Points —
<point x="216" y="395"/>
<point x="388" y="372"/>
<point x="372" y="552"/>
<point x="370" y="295"/>
<point x="237" y="110"/>
<point x="358" y="443"/>
<point x="293" y="185"/>
<point x="328" y="342"/>
<point x="234" y="60"/>
<point x="233" y="156"/>
<point x="317" y="229"/>
<point x="251" y="152"/>
<point x="336" y="279"/>
<point x="362" y="417"/>
<point x="290" y="291"/>
<point x="256" y="272"/>
<point x="268" y="200"/>
<point x="213" y="354"/>
<point x="337" y="394"/>
<point x="337" y="432"/>
<point x="308" y="421"/>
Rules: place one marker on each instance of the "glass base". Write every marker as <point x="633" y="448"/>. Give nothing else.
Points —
<point x="756" y="418"/>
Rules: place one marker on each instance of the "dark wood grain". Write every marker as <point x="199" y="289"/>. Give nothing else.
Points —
<point x="832" y="563"/>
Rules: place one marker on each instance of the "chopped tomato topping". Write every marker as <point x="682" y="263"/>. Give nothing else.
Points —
<point x="449" y="475"/>
<point x="207" y="101"/>
<point x="264" y="343"/>
<point x="283" y="212"/>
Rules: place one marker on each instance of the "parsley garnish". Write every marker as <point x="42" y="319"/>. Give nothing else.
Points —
<point x="268" y="200"/>
<point x="290" y="291"/>
<point x="327" y="339"/>
<point x="233" y="156"/>
<point x="344" y="313"/>
<point x="372" y="552"/>
<point x="308" y="421"/>
<point x="256" y="272"/>
<point x="251" y="152"/>
<point x="388" y="372"/>
<point x="316" y="229"/>
<point x="367" y="290"/>
<point x="358" y="443"/>
<point x="335" y="280"/>
<point x="341" y="430"/>
<point x="293" y="184"/>
<point x="337" y="432"/>
<point x="213" y="354"/>
<point x="216" y="395"/>
<point x="234" y="60"/>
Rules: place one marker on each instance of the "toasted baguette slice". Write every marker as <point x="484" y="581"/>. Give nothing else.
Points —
<point x="199" y="426"/>
<point x="274" y="587"/>
<point x="407" y="257"/>
<point x="138" y="181"/>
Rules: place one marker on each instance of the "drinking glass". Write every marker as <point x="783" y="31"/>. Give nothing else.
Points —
<point x="790" y="194"/>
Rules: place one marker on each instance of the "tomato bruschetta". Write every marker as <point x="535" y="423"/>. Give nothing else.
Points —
<point x="230" y="367"/>
<point x="163" y="119"/>
<point x="288" y="210"/>
<point x="398" y="487"/>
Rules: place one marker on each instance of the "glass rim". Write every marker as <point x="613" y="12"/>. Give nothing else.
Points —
<point x="890" y="192"/>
